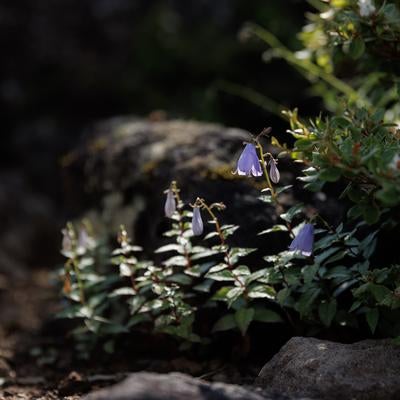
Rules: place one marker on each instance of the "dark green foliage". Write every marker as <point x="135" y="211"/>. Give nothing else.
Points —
<point x="345" y="282"/>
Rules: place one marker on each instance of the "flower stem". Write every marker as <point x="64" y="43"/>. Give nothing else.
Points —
<point x="78" y="280"/>
<point x="215" y="220"/>
<point x="263" y="165"/>
<point x="186" y="253"/>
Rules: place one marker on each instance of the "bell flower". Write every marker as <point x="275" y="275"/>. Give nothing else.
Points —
<point x="197" y="222"/>
<point x="170" y="204"/>
<point x="304" y="240"/>
<point x="85" y="241"/>
<point x="274" y="171"/>
<point x="248" y="163"/>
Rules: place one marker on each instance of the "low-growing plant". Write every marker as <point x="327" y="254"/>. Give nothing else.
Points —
<point x="331" y="274"/>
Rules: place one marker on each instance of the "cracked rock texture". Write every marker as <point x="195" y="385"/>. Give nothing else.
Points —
<point x="366" y="370"/>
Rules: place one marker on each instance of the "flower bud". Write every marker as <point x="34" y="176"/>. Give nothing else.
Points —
<point x="274" y="172"/>
<point x="197" y="222"/>
<point x="170" y="204"/>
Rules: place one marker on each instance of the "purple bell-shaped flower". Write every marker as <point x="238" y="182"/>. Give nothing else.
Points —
<point x="248" y="163"/>
<point x="170" y="204"/>
<point x="304" y="240"/>
<point x="197" y="222"/>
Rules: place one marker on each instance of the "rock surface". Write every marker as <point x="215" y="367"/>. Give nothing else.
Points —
<point x="176" y="386"/>
<point x="367" y="370"/>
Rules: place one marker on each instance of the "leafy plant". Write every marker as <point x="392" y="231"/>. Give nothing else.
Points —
<point x="329" y="275"/>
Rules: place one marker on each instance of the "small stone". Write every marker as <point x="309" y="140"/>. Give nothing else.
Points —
<point x="175" y="386"/>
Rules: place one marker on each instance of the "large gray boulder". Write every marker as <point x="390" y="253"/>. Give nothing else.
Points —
<point x="367" y="370"/>
<point x="177" y="386"/>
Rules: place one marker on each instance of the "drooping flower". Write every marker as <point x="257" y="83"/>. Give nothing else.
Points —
<point x="248" y="163"/>
<point x="85" y="242"/>
<point x="366" y="7"/>
<point x="170" y="204"/>
<point x="274" y="171"/>
<point x="197" y="222"/>
<point x="304" y="240"/>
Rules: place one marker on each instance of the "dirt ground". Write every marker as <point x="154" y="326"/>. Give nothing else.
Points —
<point x="36" y="358"/>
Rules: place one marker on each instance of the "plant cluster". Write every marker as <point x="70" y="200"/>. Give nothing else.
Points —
<point x="329" y="275"/>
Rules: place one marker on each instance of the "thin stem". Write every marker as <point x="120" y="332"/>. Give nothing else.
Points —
<point x="305" y="66"/>
<point x="264" y="167"/>
<point x="78" y="280"/>
<point x="325" y="223"/>
<point x="215" y="220"/>
<point x="220" y="233"/>
<point x="252" y="96"/>
<point x="186" y="253"/>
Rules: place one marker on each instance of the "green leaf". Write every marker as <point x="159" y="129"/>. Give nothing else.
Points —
<point x="204" y="286"/>
<point x="233" y="295"/>
<point x="182" y="279"/>
<point x="371" y="214"/>
<point x="275" y="228"/>
<point x="221" y="293"/>
<point x="320" y="258"/>
<point x="198" y="270"/>
<point x="229" y="230"/>
<point x="217" y="268"/>
<point x="224" y="275"/>
<point x="262" y="291"/>
<point x="176" y="261"/>
<point x="204" y="254"/>
<point x="125" y="270"/>
<point x="211" y="235"/>
<point x="389" y="196"/>
<point x="288" y="216"/>
<point x="238" y="252"/>
<point x="241" y="270"/>
<point x="357" y="48"/>
<point x="137" y="319"/>
<point x="243" y="317"/>
<point x="327" y="311"/>
<point x="355" y="211"/>
<point x="379" y="291"/>
<point x="309" y="272"/>
<point x="170" y="247"/>
<point x="261" y="273"/>
<point x="124" y="291"/>
<point x="368" y="245"/>
<point x="265" y="315"/>
<point x="355" y="305"/>
<point x="225" y="323"/>
<point x="355" y="194"/>
<point x="372" y="316"/>
<point x="330" y="174"/>
<point x="306" y="301"/>
<point x="283" y="295"/>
